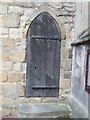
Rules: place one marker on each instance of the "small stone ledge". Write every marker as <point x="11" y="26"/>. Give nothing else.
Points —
<point x="80" y="42"/>
<point x="46" y="110"/>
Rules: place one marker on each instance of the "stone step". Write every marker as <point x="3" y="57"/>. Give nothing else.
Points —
<point x="43" y="110"/>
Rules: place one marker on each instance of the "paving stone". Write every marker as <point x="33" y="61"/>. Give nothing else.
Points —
<point x="46" y="110"/>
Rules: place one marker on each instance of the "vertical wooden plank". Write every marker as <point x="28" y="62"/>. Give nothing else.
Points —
<point x="43" y="65"/>
<point x="56" y="67"/>
<point x="37" y="71"/>
<point x="30" y="75"/>
<point x="52" y="78"/>
<point x="50" y="58"/>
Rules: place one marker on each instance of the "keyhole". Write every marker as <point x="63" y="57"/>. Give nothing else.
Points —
<point x="35" y="67"/>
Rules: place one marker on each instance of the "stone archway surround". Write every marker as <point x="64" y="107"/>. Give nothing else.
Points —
<point x="14" y="41"/>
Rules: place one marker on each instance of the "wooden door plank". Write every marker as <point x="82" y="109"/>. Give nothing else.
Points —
<point x="43" y="59"/>
<point x="56" y="67"/>
<point x="37" y="70"/>
<point x="56" y="70"/>
<point x="30" y="75"/>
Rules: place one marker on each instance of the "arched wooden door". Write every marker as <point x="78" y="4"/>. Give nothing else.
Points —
<point x="43" y="57"/>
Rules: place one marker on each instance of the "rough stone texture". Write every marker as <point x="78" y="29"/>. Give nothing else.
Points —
<point x="67" y="65"/>
<point x="6" y="112"/>
<point x="67" y="74"/>
<point x="8" y="43"/>
<point x="9" y="20"/>
<point x="0" y="111"/>
<point x="68" y="4"/>
<point x="21" y="100"/>
<point x="0" y="101"/>
<point x="3" y="76"/>
<point x="23" y="21"/>
<point x="7" y="103"/>
<point x="7" y="1"/>
<point x="15" y="77"/>
<point x="65" y="84"/>
<point x="70" y="9"/>
<point x="63" y="43"/>
<point x="12" y="91"/>
<point x="49" y="100"/>
<point x="15" y="10"/>
<point x="63" y="35"/>
<point x="70" y="53"/>
<point x="20" y="44"/>
<point x="65" y="13"/>
<point x="23" y="67"/>
<point x="4" y="57"/>
<point x="7" y="66"/>
<point x="15" y="33"/>
<point x="0" y="89"/>
<point x="14" y="113"/>
<point x="28" y="12"/>
<point x="17" y="67"/>
<point x="16" y="56"/>
<point x="36" y="100"/>
<point x="64" y="52"/>
<point x="3" y="8"/>
<point x="3" y="32"/>
<point x="25" y="3"/>
<point x="55" y="5"/>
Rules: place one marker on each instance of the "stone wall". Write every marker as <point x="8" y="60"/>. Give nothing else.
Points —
<point x="15" y="18"/>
